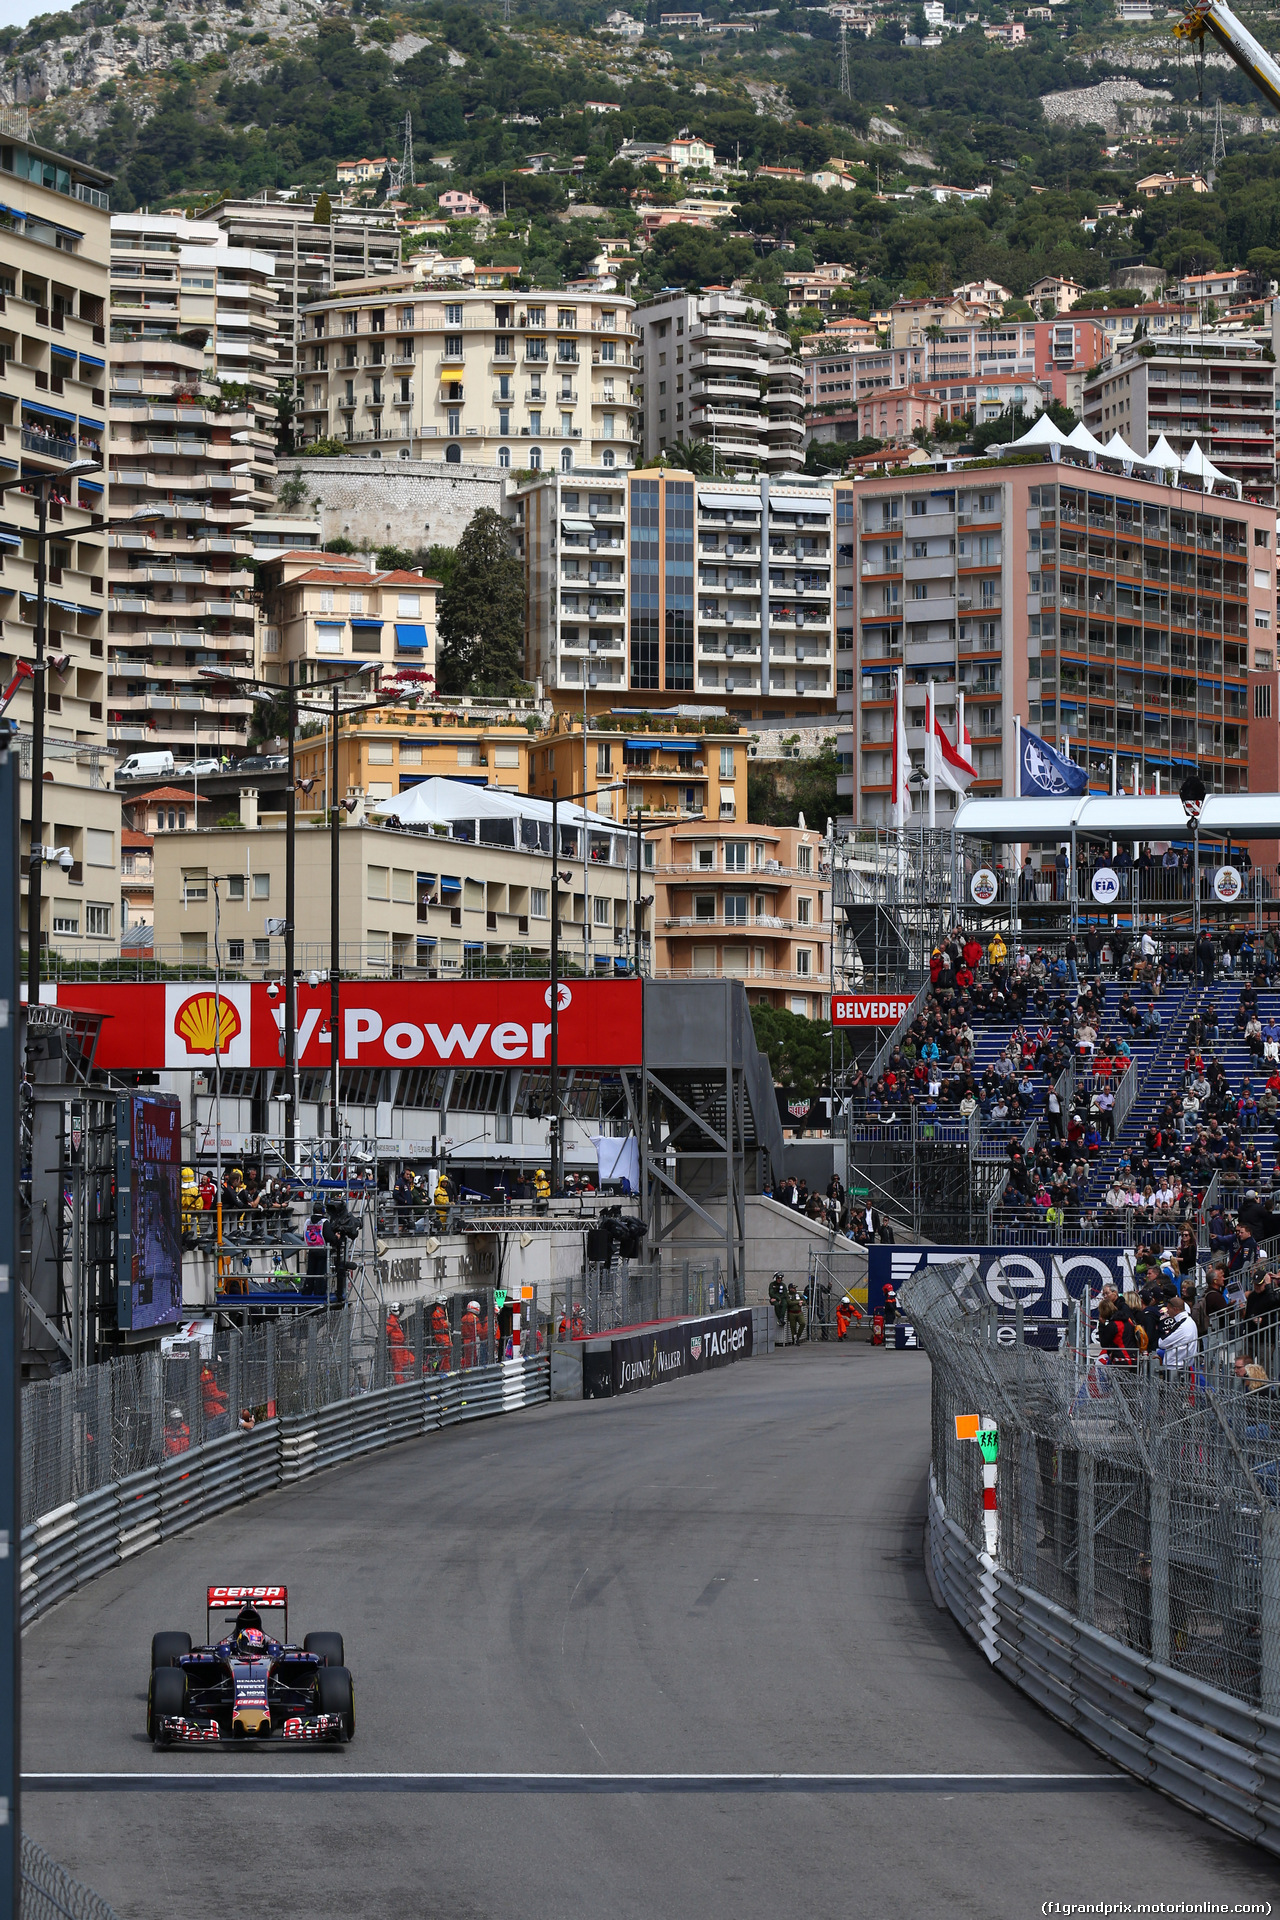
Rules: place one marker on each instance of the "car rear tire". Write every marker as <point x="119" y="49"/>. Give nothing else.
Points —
<point x="337" y="1695"/>
<point x="166" y="1695"/>
<point x="328" y="1646"/>
<point x="168" y="1648"/>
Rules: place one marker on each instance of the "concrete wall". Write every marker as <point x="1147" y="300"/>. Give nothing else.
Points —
<point x="403" y="503"/>
<point x="779" y="1240"/>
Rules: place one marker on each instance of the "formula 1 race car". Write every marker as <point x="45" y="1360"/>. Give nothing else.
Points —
<point x="247" y="1686"/>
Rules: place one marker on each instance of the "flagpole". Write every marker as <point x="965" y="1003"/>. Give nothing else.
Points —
<point x="1017" y="845"/>
<point x="931" y="753"/>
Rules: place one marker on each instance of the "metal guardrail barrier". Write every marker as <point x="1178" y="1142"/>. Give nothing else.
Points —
<point x="1134" y="1590"/>
<point x="67" y="1545"/>
<point x="49" y="1892"/>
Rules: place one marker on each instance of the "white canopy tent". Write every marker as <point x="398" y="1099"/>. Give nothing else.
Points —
<point x="448" y="803"/>
<point x="1163" y="456"/>
<point x="1201" y="467"/>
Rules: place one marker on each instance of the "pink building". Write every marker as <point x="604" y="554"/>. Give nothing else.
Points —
<point x="462" y="206"/>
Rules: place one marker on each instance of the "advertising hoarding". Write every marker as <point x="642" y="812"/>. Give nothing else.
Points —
<point x="148" y="1211"/>
<point x="1043" y="1280"/>
<point x="868" y="1009"/>
<point x="384" y="1023"/>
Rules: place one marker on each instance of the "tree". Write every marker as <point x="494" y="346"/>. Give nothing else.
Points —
<point x="323" y="215"/>
<point x="396" y="560"/>
<point x="798" y="1050"/>
<point x="779" y="791"/>
<point x="480" y="619"/>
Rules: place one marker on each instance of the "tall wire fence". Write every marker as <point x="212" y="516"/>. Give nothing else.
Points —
<point x="49" y="1892"/>
<point x="81" y="1431"/>
<point x="1142" y="1501"/>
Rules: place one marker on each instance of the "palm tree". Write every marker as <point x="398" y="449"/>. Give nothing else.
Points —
<point x="697" y="456"/>
<point x="933" y="333"/>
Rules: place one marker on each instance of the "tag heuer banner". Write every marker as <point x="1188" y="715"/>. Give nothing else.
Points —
<point x="647" y="1359"/>
<point x="1043" y="1280"/>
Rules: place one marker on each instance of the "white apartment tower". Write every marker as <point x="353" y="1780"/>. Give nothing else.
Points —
<point x="718" y="371"/>
<point x="193" y="448"/>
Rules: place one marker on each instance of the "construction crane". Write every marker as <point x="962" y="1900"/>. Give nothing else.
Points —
<point x="1215" y="18"/>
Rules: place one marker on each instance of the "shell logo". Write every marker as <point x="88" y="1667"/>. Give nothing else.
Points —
<point x="206" y="1021"/>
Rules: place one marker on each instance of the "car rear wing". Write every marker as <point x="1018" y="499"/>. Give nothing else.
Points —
<point x="231" y="1599"/>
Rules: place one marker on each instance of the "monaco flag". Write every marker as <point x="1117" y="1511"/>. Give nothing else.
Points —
<point x="952" y="765"/>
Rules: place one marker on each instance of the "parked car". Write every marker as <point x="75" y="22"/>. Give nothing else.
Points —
<point x="196" y="769"/>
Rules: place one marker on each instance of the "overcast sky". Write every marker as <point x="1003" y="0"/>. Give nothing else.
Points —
<point x="16" y="13"/>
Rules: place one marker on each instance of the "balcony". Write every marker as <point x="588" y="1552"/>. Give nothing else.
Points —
<point x="52" y="446"/>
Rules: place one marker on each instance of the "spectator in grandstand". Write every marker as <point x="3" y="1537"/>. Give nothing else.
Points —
<point x="1152" y="1024"/>
<point x="1205" y="957"/>
<point x="1263" y="1298"/>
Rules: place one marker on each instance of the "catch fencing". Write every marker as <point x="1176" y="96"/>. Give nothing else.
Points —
<point x="49" y="1892"/>
<point x="1135" y="1588"/>
<point x="122" y="1456"/>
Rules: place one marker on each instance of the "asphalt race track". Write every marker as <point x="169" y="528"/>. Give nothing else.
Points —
<point x="720" y="1580"/>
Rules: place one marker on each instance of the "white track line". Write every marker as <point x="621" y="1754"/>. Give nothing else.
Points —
<point x="178" y="1781"/>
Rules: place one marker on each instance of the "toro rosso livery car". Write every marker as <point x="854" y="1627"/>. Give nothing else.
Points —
<point x="246" y="1685"/>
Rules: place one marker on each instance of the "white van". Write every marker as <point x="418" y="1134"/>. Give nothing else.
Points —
<point x="145" y="766"/>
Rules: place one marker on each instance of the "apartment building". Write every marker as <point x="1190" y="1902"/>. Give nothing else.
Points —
<point x="441" y="899"/>
<point x="192" y="448"/>
<point x="1030" y="349"/>
<point x="715" y="369"/>
<point x="539" y="380"/>
<point x="641" y="763"/>
<point x="895" y="415"/>
<point x="54" y="248"/>
<point x="1219" y="391"/>
<point x="326" y="612"/>
<point x="394" y="749"/>
<point x="1131" y="618"/>
<point x="747" y="903"/>
<point x="674" y="588"/>
<point x="310" y="257"/>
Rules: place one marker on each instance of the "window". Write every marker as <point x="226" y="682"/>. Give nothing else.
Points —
<point x="1261" y="620"/>
<point x="402" y="885"/>
<point x="602" y="911"/>
<point x="378" y="879"/>
<point x="804" y="859"/>
<point x="506" y="756"/>
<point x="326" y="599"/>
<point x="726" y="763"/>
<point x="380" y="753"/>
<point x="99" y="848"/>
<point x="1261" y="538"/>
<point x="235" y="953"/>
<point x="919" y="589"/>
<point x="799" y="1004"/>
<point x="453" y="346"/>
<point x="97" y="918"/>
<point x="604" y="757"/>
<point x="540" y="903"/>
<point x="195" y="883"/>
<point x="262" y="953"/>
<point x="705" y="857"/>
<point x="804" y="962"/>
<point x="1263" y="659"/>
<point x="735" y="856"/>
<point x="804" y="911"/>
<point x="1261" y="702"/>
<point x="704" y="906"/>
<point x="735" y="909"/>
<point x="262" y="886"/>
<point x="235" y="886"/>
<point x="357" y="602"/>
<point x="66" y="918"/>
<point x="452" y="316"/>
<point x="567" y="318"/>
<point x="473" y="895"/>
<point x="407" y="605"/>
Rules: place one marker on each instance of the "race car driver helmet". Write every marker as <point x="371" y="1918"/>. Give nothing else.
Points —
<point x="252" y="1642"/>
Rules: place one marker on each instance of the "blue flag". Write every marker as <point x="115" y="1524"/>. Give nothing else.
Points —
<point x="1045" y="774"/>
